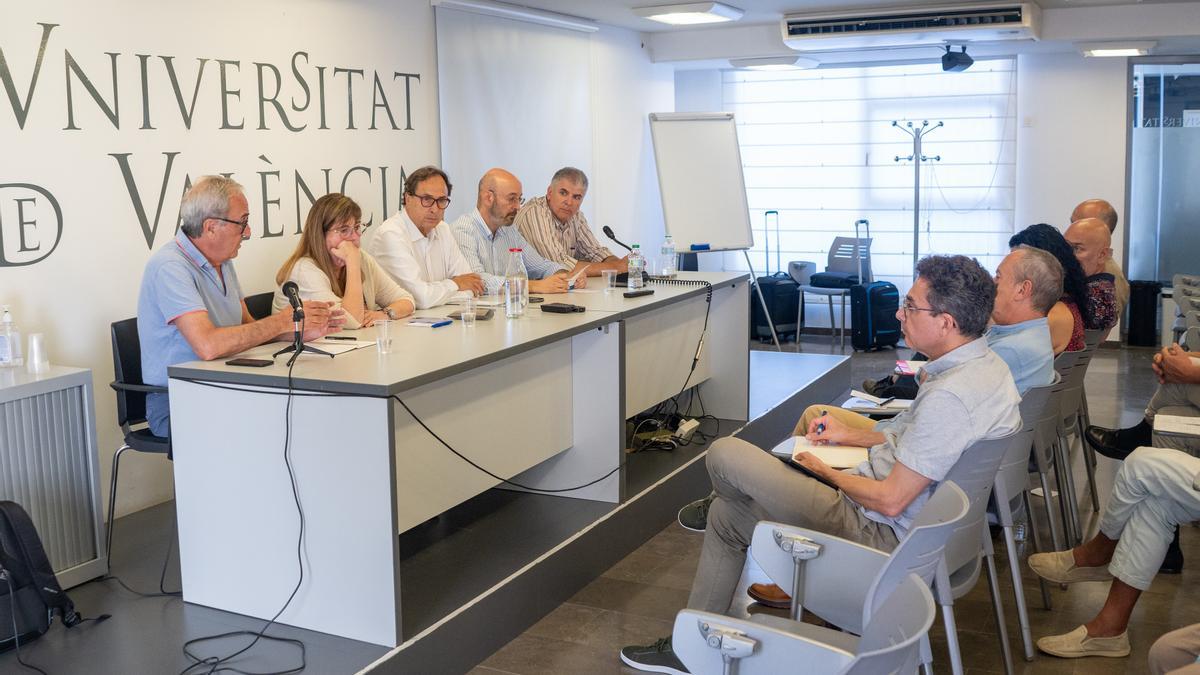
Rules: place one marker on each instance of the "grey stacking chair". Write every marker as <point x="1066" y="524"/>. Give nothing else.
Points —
<point x="848" y="255"/>
<point x="1191" y="340"/>
<point x="1045" y="438"/>
<point x="1010" y="495"/>
<point x="712" y="644"/>
<point x="1068" y="433"/>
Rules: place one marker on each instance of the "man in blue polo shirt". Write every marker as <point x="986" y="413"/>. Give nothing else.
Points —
<point x="190" y="305"/>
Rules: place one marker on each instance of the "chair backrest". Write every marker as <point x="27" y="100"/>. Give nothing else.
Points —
<point x="1092" y="337"/>
<point x="1064" y="362"/>
<point x="890" y="643"/>
<point x="1191" y="319"/>
<point x="974" y="472"/>
<point x="1013" y="474"/>
<point x="801" y="271"/>
<point x="127" y="369"/>
<point x="1073" y="393"/>
<point x="1047" y="427"/>
<point x="1191" y="339"/>
<point x="844" y="257"/>
<point x="259" y="304"/>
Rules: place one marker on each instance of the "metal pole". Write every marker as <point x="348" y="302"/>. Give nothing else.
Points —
<point x="916" y="197"/>
<point x="763" y="302"/>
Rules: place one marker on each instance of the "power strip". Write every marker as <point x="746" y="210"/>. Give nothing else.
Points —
<point x="687" y="427"/>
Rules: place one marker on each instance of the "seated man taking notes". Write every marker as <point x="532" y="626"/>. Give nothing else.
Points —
<point x="416" y="246"/>
<point x="486" y="235"/>
<point x="968" y="396"/>
<point x="554" y="225"/>
<point x="190" y="306"/>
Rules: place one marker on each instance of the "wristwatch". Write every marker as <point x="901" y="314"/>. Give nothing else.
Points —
<point x="391" y="313"/>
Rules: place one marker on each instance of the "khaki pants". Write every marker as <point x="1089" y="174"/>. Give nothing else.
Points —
<point x="1176" y="399"/>
<point x="752" y="485"/>
<point x="1176" y="652"/>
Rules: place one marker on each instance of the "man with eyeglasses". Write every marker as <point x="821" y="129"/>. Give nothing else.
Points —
<point x="190" y="305"/>
<point x="418" y="249"/>
<point x="968" y="395"/>
<point x="559" y="232"/>
<point x="486" y="235"/>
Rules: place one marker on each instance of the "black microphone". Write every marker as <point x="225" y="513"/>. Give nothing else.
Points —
<point x="609" y="233"/>
<point x="292" y="292"/>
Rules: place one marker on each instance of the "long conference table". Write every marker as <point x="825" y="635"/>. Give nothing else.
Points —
<point x="540" y="400"/>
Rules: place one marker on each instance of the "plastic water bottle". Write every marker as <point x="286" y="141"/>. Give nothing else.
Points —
<point x="516" y="285"/>
<point x="637" y="265"/>
<point x="667" y="257"/>
<point x="10" y="341"/>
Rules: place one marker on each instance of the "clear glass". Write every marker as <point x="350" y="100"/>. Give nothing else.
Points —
<point x="610" y="280"/>
<point x="467" y="312"/>
<point x="36" y="359"/>
<point x="384" y="333"/>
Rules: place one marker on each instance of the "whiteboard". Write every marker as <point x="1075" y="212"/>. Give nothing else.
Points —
<point x="700" y="180"/>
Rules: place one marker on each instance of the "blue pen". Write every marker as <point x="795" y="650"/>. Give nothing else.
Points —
<point x="821" y="426"/>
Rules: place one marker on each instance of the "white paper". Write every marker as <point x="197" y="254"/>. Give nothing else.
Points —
<point x="836" y="456"/>
<point x="1177" y="424"/>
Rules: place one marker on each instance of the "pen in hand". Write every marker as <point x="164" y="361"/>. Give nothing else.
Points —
<point x="821" y="426"/>
<point x="341" y="337"/>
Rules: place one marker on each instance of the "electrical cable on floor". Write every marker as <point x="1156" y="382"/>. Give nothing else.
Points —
<point x="12" y="604"/>
<point x="218" y="664"/>
<point x="162" y="576"/>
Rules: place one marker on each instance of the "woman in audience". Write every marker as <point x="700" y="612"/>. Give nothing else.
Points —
<point x="328" y="265"/>
<point x="1066" y="318"/>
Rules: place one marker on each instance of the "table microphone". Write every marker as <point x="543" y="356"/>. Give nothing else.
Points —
<point x="292" y="292"/>
<point x="609" y="233"/>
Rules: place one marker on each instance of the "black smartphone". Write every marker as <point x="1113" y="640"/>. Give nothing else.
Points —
<point x="638" y="293"/>
<point x="250" y="363"/>
<point x="561" y="308"/>
<point x="533" y="299"/>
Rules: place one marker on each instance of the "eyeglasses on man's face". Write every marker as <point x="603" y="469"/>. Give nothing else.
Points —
<point x="909" y="307"/>
<point x="244" y="224"/>
<point x="429" y="200"/>
<point x="349" y="230"/>
<point x="519" y="199"/>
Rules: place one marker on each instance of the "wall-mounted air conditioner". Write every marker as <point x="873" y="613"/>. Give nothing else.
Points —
<point x="896" y="26"/>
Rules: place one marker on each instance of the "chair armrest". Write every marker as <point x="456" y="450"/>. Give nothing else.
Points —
<point x="775" y="650"/>
<point x="801" y="270"/>
<point x="836" y="581"/>
<point x="144" y="388"/>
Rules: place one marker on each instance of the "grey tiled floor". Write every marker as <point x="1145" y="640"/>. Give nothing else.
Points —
<point x="635" y="601"/>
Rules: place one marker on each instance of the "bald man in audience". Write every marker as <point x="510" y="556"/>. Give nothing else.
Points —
<point x="1098" y="208"/>
<point x="487" y="235"/>
<point x="1091" y="241"/>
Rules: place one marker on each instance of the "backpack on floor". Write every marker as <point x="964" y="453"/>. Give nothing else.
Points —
<point x="29" y="590"/>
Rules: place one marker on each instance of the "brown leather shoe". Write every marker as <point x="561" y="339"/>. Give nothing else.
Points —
<point x="770" y="595"/>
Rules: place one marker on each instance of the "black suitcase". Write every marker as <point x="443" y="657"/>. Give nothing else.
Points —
<point x="873" y="319"/>
<point x="780" y="292"/>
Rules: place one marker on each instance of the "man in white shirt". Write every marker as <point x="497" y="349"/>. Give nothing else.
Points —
<point x="417" y="248"/>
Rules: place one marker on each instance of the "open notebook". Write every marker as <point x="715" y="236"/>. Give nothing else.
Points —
<point x="836" y="456"/>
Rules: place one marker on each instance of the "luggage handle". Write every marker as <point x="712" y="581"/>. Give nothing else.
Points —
<point x="767" y="242"/>
<point x="858" y="248"/>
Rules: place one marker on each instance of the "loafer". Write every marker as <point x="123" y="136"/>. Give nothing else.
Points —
<point x="1077" y="644"/>
<point x="1104" y="441"/>
<point x="770" y="595"/>
<point x="1059" y="567"/>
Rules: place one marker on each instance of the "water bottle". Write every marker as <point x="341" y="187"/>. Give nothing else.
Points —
<point x="516" y="285"/>
<point x="667" y="257"/>
<point x="10" y="341"/>
<point x="637" y="265"/>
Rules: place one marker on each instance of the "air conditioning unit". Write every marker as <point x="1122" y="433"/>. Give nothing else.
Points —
<point x="897" y="26"/>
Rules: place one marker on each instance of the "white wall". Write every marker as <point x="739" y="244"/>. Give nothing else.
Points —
<point x="626" y="88"/>
<point x="1071" y="137"/>
<point x="72" y="292"/>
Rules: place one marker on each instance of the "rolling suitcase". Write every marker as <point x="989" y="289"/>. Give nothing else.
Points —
<point x="779" y="290"/>
<point x="873" y="319"/>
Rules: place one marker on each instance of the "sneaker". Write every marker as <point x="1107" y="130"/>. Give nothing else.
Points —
<point x="694" y="516"/>
<point x="1077" y="644"/>
<point x="655" y="658"/>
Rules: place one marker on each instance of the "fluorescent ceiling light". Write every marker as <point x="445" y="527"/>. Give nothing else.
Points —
<point x="1116" y="48"/>
<point x="507" y="11"/>
<point x="775" y="63"/>
<point x="690" y="13"/>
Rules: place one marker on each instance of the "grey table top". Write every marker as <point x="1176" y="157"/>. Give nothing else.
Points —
<point x="421" y="355"/>
<point x="18" y="382"/>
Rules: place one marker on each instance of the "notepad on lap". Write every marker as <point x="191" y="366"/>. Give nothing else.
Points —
<point x="836" y="456"/>
<point x="1179" y="425"/>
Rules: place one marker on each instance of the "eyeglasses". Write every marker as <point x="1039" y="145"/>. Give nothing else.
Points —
<point x="909" y="308"/>
<point x="428" y="201"/>
<point x="244" y="224"/>
<point x="520" y="198"/>
<point x="349" y="230"/>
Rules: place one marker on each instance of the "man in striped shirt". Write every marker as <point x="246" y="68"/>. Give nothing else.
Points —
<point x="486" y="235"/>
<point x="556" y="228"/>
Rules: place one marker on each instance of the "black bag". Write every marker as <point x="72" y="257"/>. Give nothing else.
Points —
<point x="873" y="319"/>
<point x="30" y="585"/>
<point x="833" y="280"/>
<point x="779" y="290"/>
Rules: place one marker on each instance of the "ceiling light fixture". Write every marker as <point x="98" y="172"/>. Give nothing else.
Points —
<point x="518" y="13"/>
<point x="775" y="63"/>
<point x="1116" y="48"/>
<point x="690" y="13"/>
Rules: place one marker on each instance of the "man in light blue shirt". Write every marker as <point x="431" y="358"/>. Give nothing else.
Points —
<point x="190" y="306"/>
<point x="1028" y="283"/>
<point x="487" y="235"/>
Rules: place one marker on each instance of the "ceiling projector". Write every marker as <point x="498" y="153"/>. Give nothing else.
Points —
<point x="956" y="61"/>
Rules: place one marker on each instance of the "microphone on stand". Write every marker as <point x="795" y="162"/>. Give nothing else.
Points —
<point x="609" y="233"/>
<point x="292" y="292"/>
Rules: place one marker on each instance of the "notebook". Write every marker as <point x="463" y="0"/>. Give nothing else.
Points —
<point x="836" y="456"/>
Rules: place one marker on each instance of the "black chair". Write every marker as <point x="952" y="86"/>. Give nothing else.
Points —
<point x="259" y="305"/>
<point x="131" y="408"/>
